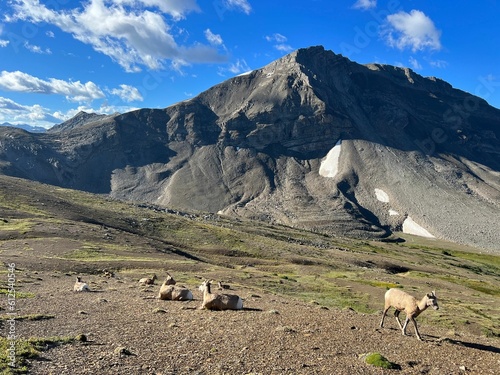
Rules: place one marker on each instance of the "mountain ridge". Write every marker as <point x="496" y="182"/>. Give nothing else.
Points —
<point x="254" y="145"/>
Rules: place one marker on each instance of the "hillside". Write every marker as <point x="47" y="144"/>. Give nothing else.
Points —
<point x="312" y="140"/>
<point x="312" y="301"/>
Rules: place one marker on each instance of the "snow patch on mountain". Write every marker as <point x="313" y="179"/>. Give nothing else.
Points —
<point x="330" y="165"/>
<point x="382" y="195"/>
<point x="411" y="227"/>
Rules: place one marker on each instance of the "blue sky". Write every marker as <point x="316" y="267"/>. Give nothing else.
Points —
<point x="58" y="57"/>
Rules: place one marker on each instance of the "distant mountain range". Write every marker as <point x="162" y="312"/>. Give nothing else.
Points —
<point x="29" y="128"/>
<point x="312" y="140"/>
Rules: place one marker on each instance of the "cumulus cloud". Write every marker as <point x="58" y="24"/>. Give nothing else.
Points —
<point x="365" y="4"/>
<point x="412" y="30"/>
<point x="37" y="115"/>
<point x="73" y="91"/>
<point x="127" y="93"/>
<point x="18" y="113"/>
<point x="175" y="8"/>
<point x="131" y="32"/>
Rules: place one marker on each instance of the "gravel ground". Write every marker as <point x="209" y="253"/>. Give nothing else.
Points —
<point x="129" y="331"/>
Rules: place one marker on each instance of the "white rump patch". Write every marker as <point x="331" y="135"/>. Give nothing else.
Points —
<point x="330" y="166"/>
<point x="393" y="213"/>
<point x="382" y="195"/>
<point x="410" y="227"/>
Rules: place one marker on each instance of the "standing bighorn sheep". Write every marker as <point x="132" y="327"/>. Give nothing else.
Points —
<point x="80" y="286"/>
<point x="214" y="301"/>
<point x="402" y="301"/>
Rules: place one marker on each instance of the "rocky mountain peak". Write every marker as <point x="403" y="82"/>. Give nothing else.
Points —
<point x="80" y="119"/>
<point x="312" y="140"/>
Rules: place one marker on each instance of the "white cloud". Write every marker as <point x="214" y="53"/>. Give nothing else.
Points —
<point x="365" y="4"/>
<point x="238" y="67"/>
<point x="175" y="8"/>
<point x="50" y="34"/>
<point x="36" y="49"/>
<point x="105" y="109"/>
<point x="73" y="91"/>
<point x="37" y="115"/>
<point x="127" y="93"/>
<point x="276" y="38"/>
<point x="439" y="64"/>
<point x="3" y="43"/>
<point x="213" y="39"/>
<point x="241" y="5"/>
<point x="284" y="48"/>
<point x="414" y="63"/>
<point x="412" y="30"/>
<point x="16" y="113"/>
<point x="279" y="41"/>
<point x="131" y="32"/>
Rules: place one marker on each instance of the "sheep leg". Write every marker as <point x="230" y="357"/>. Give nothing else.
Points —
<point x="396" y="314"/>
<point x="383" y="316"/>
<point x="416" y="329"/>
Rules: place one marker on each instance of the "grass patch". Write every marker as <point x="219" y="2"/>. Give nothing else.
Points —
<point x="17" y="225"/>
<point x="31" y="317"/>
<point x="378" y="360"/>
<point x="480" y="286"/>
<point x="26" y="349"/>
<point x="18" y="294"/>
<point x="379" y="284"/>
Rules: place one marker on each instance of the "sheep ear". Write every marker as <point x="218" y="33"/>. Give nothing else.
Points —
<point x="434" y="293"/>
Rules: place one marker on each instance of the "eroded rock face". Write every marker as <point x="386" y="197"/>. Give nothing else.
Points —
<point x="256" y="146"/>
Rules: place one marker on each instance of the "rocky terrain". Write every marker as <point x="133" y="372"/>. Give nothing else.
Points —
<point x="312" y="302"/>
<point x="312" y="140"/>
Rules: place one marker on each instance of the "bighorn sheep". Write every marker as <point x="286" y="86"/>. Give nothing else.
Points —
<point x="80" y="286"/>
<point x="107" y="273"/>
<point x="174" y="292"/>
<point x="169" y="280"/>
<point x="213" y="301"/>
<point x="223" y="286"/>
<point x="148" y="280"/>
<point x="402" y="301"/>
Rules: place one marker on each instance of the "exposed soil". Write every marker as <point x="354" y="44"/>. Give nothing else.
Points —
<point x="129" y="331"/>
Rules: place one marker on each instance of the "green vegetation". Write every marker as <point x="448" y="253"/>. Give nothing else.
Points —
<point x="18" y="293"/>
<point x="18" y="225"/>
<point x="31" y="317"/>
<point x="378" y="360"/>
<point x="331" y="271"/>
<point x="25" y="349"/>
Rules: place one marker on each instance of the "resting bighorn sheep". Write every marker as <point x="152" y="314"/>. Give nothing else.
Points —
<point x="148" y="280"/>
<point x="80" y="286"/>
<point x="223" y="286"/>
<point x="169" y="280"/>
<point x="402" y="301"/>
<point x="174" y="292"/>
<point x="214" y="301"/>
